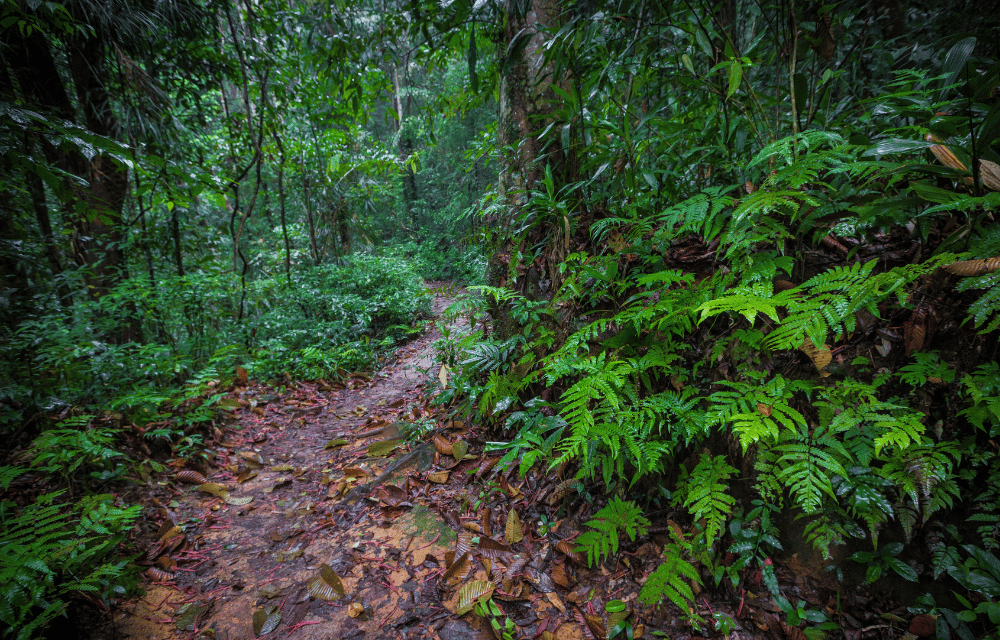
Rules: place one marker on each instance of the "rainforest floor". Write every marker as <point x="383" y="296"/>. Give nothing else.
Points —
<point x="360" y="509"/>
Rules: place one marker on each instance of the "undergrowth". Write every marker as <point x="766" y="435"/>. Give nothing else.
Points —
<point x="759" y="377"/>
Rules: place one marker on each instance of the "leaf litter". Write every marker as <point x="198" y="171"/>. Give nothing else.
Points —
<point x="304" y="553"/>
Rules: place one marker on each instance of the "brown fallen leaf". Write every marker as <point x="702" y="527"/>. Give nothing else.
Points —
<point x="438" y="477"/>
<point x="566" y="548"/>
<point x="553" y="598"/>
<point x="158" y="575"/>
<point x="191" y="477"/>
<point x="487" y="518"/>
<point x="457" y="572"/>
<point x="442" y="446"/>
<point x="561" y="576"/>
<point x="474" y="527"/>
<point x="493" y="549"/>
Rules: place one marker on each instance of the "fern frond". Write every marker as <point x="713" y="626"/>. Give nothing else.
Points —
<point x="803" y="141"/>
<point x="618" y="515"/>
<point x="671" y="581"/>
<point x="988" y="305"/>
<point x="697" y="214"/>
<point x="706" y="495"/>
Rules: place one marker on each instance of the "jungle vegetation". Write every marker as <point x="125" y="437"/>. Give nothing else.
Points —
<point x="741" y="259"/>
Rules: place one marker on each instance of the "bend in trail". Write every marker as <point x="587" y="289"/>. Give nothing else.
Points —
<point x="359" y="510"/>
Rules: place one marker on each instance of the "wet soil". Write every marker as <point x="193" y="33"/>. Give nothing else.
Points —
<point x="360" y="509"/>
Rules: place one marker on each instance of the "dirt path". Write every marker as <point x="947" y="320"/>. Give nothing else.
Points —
<point x="359" y="510"/>
<point x="296" y="455"/>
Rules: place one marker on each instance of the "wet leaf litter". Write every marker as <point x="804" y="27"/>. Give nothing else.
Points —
<point x="356" y="508"/>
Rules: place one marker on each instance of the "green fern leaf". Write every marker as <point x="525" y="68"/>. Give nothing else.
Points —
<point x="619" y="515"/>
<point x="671" y="581"/>
<point x="707" y="496"/>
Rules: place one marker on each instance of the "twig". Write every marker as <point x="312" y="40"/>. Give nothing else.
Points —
<point x="295" y="627"/>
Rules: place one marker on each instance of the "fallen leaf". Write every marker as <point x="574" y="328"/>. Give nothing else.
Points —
<point x="158" y="575"/>
<point x="265" y="620"/>
<point x="327" y="585"/>
<point x="459" y="449"/>
<point x="552" y="597"/>
<point x="560" y="491"/>
<point x="560" y="576"/>
<point x="214" y="489"/>
<point x="493" y="549"/>
<point x="457" y="571"/>
<point x="472" y="593"/>
<point x="187" y="616"/>
<point x="438" y="477"/>
<point x="441" y="445"/>
<point x="567" y="548"/>
<point x="191" y="477"/>
<point x="513" y="532"/>
<point x="355" y="609"/>
<point x="383" y="448"/>
<point x="821" y="356"/>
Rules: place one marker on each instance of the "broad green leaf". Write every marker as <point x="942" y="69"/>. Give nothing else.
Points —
<point x="735" y="77"/>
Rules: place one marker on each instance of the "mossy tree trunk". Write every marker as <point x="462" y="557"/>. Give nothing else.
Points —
<point x="526" y="104"/>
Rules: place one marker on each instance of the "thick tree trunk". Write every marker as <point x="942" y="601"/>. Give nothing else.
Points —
<point x="97" y="207"/>
<point x="526" y="98"/>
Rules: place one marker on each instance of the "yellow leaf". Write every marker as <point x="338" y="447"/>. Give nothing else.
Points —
<point x="514" y="532"/>
<point x="471" y="593"/>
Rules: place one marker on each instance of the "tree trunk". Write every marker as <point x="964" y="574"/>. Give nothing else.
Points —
<point x="96" y="208"/>
<point x="525" y="102"/>
<point x="401" y="105"/>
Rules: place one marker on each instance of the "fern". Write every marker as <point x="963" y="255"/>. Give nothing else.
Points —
<point x="756" y="412"/>
<point x="672" y="581"/>
<point x="983" y="392"/>
<point x="697" y="214"/>
<point x="805" y="141"/>
<point x="619" y="515"/>
<point x="806" y="464"/>
<point x="826" y="302"/>
<point x="48" y="553"/>
<point x="985" y="312"/>
<point x="705" y="495"/>
<point x="9" y="474"/>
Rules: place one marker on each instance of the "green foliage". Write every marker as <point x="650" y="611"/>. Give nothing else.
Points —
<point x="51" y="552"/>
<point x="825" y="303"/>
<point x="616" y="517"/>
<point x="755" y="536"/>
<point x="983" y="392"/>
<point x="76" y="445"/>
<point x="672" y="581"/>
<point x="705" y="495"/>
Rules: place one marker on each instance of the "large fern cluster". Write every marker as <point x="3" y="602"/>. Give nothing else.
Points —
<point x="50" y="552"/>
<point x="825" y="303"/>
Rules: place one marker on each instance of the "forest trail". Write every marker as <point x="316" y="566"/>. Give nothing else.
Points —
<point x="281" y="539"/>
<point x="216" y="563"/>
